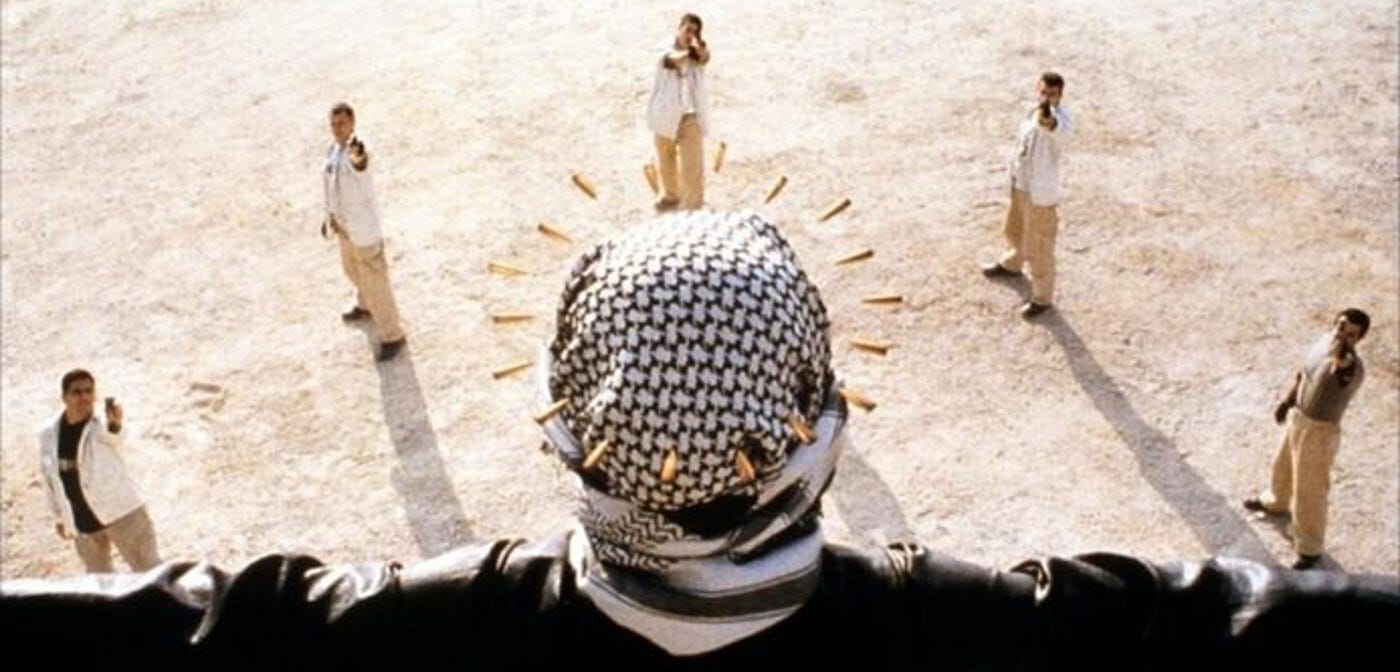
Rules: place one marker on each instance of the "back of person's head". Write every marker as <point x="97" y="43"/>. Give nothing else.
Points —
<point x="689" y="343"/>
<point x="700" y="412"/>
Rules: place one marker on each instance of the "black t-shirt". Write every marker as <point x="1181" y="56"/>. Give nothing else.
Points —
<point x="68" y="437"/>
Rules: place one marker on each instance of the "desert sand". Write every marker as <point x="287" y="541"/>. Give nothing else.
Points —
<point x="1232" y="183"/>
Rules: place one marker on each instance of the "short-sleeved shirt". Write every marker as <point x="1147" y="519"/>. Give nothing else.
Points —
<point x="1322" y="395"/>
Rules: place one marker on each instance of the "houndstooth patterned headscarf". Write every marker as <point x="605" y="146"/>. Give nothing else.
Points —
<point x="690" y="340"/>
<point x="698" y="337"/>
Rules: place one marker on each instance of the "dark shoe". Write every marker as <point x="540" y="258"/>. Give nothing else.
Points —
<point x="1031" y="309"/>
<point x="354" y="315"/>
<point x="666" y="204"/>
<point x="390" y="350"/>
<point x="1306" y="561"/>
<point x="996" y="270"/>
<point x="1257" y="505"/>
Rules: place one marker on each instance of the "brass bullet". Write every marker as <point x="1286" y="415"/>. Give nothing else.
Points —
<point x="511" y="317"/>
<point x="853" y="257"/>
<point x="584" y="185"/>
<point x="835" y="209"/>
<point x="596" y="455"/>
<point x="553" y="410"/>
<point x="800" y="428"/>
<point x="507" y="370"/>
<point x="549" y="230"/>
<point x="504" y="269"/>
<point x="669" y="467"/>
<point x="744" y="467"/>
<point x="857" y="399"/>
<point x="719" y="155"/>
<point x="877" y="347"/>
<point x="884" y="298"/>
<point x="777" y="187"/>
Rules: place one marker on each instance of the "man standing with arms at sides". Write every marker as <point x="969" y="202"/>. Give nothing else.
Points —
<point x="1032" y="221"/>
<point x="353" y="214"/>
<point x="1318" y="395"/>
<point x="679" y="116"/>
<point x="94" y="502"/>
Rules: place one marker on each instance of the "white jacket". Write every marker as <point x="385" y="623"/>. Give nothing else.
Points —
<point x="665" y="110"/>
<point x="102" y="474"/>
<point x="350" y="197"/>
<point x="1035" y="160"/>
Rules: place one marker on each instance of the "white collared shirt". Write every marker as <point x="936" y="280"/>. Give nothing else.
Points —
<point x="1035" y="159"/>
<point x="350" y="197"/>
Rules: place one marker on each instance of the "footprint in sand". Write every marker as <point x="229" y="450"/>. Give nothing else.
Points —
<point x="210" y="396"/>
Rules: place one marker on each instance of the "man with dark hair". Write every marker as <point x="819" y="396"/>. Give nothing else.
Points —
<point x="353" y="214"/>
<point x="690" y="387"/>
<point x="1032" y="219"/>
<point x="1317" y="395"/>
<point x="94" y="502"/>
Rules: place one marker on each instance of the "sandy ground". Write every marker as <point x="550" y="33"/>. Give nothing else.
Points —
<point x="1233" y="182"/>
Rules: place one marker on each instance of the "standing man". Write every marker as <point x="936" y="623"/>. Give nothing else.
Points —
<point x="1031" y="219"/>
<point x="1317" y="395"/>
<point x="94" y="502"/>
<point x="679" y="116"/>
<point x="353" y="214"/>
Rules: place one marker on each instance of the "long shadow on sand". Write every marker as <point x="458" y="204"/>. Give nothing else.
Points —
<point x="434" y="512"/>
<point x="1215" y="522"/>
<point x="866" y="503"/>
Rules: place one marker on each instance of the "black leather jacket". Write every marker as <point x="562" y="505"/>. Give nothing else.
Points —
<point x="507" y="605"/>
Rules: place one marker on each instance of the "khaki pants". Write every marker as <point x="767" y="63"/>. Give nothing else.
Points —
<point x="684" y="183"/>
<point x="369" y="272"/>
<point x="134" y="538"/>
<point x="1030" y="238"/>
<point x="1302" y="478"/>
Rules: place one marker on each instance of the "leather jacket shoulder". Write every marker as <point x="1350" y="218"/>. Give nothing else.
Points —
<point x="511" y="605"/>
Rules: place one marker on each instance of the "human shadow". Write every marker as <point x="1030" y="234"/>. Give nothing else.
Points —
<point x="866" y="503"/>
<point x="1211" y="517"/>
<point x="434" y="513"/>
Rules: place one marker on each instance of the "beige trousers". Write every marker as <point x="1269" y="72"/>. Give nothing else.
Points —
<point x="1302" y="478"/>
<point x="369" y="272"/>
<point x="132" y="534"/>
<point x="683" y="183"/>
<point x="1030" y="239"/>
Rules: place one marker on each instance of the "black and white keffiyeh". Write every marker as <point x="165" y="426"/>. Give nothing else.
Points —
<point x="692" y="339"/>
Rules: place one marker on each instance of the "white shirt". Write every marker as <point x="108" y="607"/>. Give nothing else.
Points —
<point x="1035" y="159"/>
<point x="677" y="93"/>
<point x="687" y="90"/>
<point x="106" y="485"/>
<point x="350" y="197"/>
